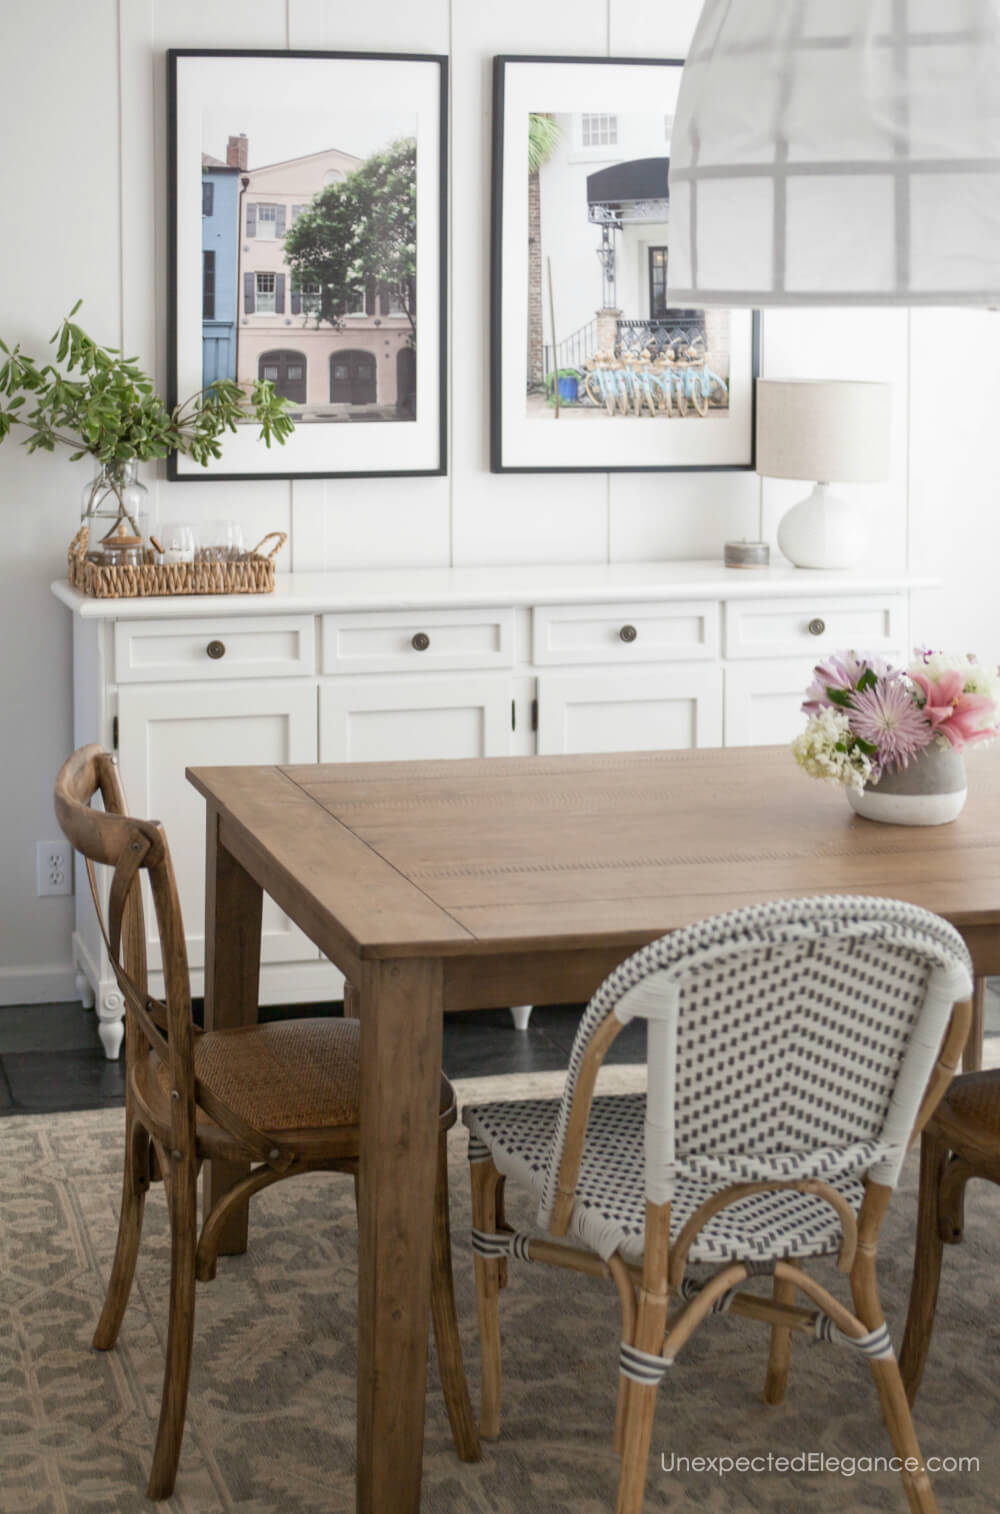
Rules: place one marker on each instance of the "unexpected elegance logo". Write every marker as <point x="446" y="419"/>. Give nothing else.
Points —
<point x="813" y="1462"/>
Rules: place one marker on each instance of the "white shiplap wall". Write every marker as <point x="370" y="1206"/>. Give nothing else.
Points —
<point x="85" y="203"/>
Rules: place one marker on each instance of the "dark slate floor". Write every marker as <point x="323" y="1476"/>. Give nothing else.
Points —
<point x="51" y="1059"/>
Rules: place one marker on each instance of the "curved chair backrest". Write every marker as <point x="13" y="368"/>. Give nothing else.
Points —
<point x="790" y="1035"/>
<point x="131" y="847"/>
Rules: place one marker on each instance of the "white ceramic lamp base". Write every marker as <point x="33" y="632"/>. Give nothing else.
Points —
<point x="823" y="531"/>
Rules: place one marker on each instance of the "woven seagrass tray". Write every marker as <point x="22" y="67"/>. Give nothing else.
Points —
<point x="253" y="574"/>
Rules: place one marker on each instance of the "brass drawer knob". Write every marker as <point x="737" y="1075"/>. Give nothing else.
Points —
<point x="420" y="642"/>
<point x="817" y="627"/>
<point x="216" y="649"/>
<point x="628" y="633"/>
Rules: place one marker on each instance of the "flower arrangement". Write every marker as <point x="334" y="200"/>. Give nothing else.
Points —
<point x="867" y="718"/>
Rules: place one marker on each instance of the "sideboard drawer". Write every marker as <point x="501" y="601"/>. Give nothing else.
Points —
<point x="167" y="651"/>
<point x="396" y="641"/>
<point x="814" y="626"/>
<point x="626" y="633"/>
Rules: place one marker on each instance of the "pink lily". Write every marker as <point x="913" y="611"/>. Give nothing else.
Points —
<point x="953" y="713"/>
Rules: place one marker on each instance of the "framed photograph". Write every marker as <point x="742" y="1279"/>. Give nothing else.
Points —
<point x="592" y="367"/>
<point x="307" y="246"/>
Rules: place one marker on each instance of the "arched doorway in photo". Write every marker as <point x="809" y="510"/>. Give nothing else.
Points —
<point x="352" y="378"/>
<point x="286" y="370"/>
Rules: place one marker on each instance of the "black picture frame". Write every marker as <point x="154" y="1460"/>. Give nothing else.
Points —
<point x="385" y="414"/>
<point x="517" y="447"/>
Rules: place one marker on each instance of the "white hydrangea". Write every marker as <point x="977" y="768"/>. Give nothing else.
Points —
<point x="982" y="680"/>
<point x="824" y="750"/>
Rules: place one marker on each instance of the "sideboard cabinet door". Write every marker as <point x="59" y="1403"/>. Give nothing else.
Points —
<point x="383" y="719"/>
<point x="169" y="727"/>
<point x="630" y="710"/>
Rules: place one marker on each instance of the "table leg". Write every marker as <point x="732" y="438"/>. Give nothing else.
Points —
<point x="401" y="1013"/>
<point x="972" y="1057"/>
<point x="233" y="902"/>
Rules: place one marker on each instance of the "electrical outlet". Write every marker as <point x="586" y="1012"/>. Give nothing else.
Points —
<point x="54" y="867"/>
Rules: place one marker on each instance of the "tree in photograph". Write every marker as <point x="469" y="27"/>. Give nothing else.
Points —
<point x="359" y="234"/>
<point x="544" y="133"/>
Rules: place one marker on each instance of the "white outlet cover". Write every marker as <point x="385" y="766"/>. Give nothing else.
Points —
<point x="54" y="868"/>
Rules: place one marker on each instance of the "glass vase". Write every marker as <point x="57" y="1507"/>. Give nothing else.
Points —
<point x="116" y="503"/>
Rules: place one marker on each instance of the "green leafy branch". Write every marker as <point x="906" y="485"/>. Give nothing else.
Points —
<point x="103" y="405"/>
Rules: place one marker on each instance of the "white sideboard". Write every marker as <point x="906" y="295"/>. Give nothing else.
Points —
<point x="473" y="662"/>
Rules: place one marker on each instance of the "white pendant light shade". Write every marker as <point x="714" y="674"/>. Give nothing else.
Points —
<point x="838" y="152"/>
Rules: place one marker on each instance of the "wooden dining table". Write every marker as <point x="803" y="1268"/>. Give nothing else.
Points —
<point x="448" y="885"/>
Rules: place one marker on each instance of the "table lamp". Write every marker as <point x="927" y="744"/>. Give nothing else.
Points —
<point x="831" y="431"/>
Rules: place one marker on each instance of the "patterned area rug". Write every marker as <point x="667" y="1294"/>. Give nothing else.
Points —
<point x="271" y="1415"/>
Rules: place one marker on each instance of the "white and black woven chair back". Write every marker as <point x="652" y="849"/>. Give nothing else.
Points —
<point x="791" y="1039"/>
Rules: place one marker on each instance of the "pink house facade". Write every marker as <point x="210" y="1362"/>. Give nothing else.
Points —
<point x="364" y="369"/>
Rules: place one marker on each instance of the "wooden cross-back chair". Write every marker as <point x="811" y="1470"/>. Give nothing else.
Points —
<point x="283" y="1096"/>
<point x="960" y="1141"/>
<point x="794" y="1051"/>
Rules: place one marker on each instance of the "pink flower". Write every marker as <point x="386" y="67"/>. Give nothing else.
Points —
<point x="951" y="712"/>
<point x="843" y="671"/>
<point x="889" y="719"/>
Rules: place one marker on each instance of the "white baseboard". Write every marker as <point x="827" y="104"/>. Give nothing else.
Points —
<point x="38" y="985"/>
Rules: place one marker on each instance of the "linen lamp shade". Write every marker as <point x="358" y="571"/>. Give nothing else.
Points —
<point x="831" y="431"/>
<point x="838" y="152"/>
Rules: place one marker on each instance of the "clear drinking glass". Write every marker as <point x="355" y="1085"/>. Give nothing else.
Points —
<point x="219" y="541"/>
<point x="177" y="541"/>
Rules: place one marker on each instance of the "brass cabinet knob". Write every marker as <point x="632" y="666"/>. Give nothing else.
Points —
<point x="420" y="642"/>
<point x="216" y="649"/>
<point x="628" y="633"/>
<point x="817" y="627"/>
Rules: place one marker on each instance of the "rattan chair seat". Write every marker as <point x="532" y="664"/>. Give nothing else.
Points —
<point x="287" y="1075"/>
<point x="610" y="1209"/>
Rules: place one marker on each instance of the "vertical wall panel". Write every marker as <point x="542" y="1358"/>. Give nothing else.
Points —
<point x="59" y="189"/>
<point x="370" y="522"/>
<point x="954" y="518"/>
<point x="505" y="517"/>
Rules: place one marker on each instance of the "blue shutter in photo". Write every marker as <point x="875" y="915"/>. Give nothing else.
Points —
<point x="279" y="294"/>
<point x="251" y="219"/>
<point x="295" y="301"/>
<point x="249" y="293"/>
<point x="279" y="221"/>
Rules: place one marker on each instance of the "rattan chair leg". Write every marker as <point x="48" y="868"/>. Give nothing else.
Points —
<point x="640" y="1398"/>
<point x="449" y="1348"/>
<point x="892" y="1395"/>
<point x="926" y="1265"/>
<point x="134" y="1185"/>
<point x="781" y="1345"/>
<point x="484" y="1199"/>
<point x="182" y="1198"/>
<point x="501" y="1224"/>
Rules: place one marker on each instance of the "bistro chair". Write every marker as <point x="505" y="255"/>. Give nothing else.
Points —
<point x="283" y="1097"/>
<point x="794" y="1050"/>
<point x="960" y="1141"/>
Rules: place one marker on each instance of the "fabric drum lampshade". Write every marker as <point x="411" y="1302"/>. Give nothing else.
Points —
<point x="832" y="431"/>
<point x="839" y="152"/>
